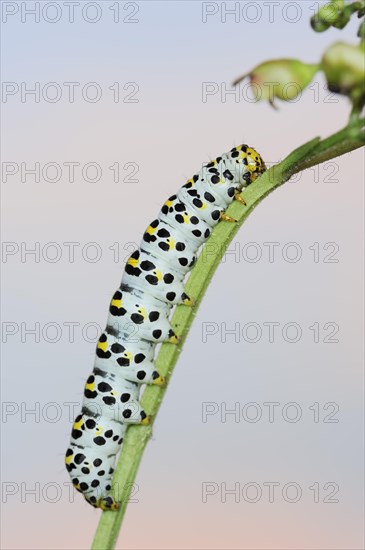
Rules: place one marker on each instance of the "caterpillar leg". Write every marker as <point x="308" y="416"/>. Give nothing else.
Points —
<point x="146" y="420"/>
<point x="187" y="301"/>
<point x="134" y="414"/>
<point x="174" y="339"/>
<point x="158" y="380"/>
<point x="240" y="199"/>
<point x="226" y="218"/>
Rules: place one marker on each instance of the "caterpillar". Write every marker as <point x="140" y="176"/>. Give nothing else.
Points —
<point x="152" y="283"/>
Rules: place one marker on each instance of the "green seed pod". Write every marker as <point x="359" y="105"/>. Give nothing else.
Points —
<point x="281" y="78"/>
<point x="344" y="67"/>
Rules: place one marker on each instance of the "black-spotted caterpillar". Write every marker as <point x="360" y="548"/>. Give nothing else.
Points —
<point x="151" y="285"/>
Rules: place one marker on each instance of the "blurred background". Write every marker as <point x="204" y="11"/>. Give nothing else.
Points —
<point x="107" y="108"/>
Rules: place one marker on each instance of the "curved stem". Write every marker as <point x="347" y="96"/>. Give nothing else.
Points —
<point x="136" y="439"/>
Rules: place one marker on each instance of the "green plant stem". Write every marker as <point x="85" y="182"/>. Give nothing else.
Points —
<point x="348" y="139"/>
<point x="313" y="152"/>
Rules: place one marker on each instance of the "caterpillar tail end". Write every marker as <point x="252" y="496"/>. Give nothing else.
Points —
<point x="106" y="504"/>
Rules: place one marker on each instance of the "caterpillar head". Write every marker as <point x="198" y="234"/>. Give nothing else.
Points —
<point x="251" y="162"/>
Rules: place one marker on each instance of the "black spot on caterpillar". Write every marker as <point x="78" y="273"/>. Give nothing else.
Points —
<point x="151" y="285"/>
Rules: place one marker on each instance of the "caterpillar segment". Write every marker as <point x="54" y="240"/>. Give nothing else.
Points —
<point x="138" y="318"/>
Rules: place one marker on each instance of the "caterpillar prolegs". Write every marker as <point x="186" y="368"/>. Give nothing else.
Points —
<point x="152" y="284"/>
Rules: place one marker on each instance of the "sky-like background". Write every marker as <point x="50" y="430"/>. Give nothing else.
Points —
<point x="129" y="98"/>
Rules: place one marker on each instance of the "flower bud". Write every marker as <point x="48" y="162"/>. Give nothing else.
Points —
<point x="344" y="67"/>
<point x="330" y="15"/>
<point x="281" y="78"/>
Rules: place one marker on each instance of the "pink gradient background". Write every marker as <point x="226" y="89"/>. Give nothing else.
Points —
<point x="169" y="133"/>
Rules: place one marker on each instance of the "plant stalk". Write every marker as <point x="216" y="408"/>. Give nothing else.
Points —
<point x="310" y="154"/>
